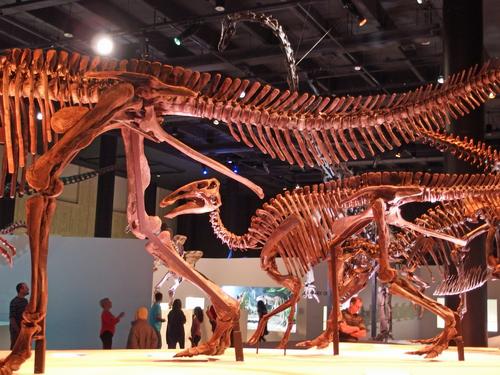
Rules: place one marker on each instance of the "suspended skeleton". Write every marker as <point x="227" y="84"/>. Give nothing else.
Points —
<point x="229" y="28"/>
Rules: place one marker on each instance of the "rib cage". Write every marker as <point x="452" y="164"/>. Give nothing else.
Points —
<point x="456" y="218"/>
<point x="299" y="128"/>
<point x="319" y="206"/>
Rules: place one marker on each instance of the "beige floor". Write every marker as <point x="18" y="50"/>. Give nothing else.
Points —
<point x="365" y="359"/>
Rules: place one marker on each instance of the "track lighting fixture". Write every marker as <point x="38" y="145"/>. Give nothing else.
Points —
<point x="186" y="34"/>
<point x="353" y="9"/>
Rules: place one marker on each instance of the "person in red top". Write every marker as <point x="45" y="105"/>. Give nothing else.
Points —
<point x="108" y="323"/>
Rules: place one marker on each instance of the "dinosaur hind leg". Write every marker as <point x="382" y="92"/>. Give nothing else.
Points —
<point x="293" y="283"/>
<point x="406" y="290"/>
<point x="40" y="210"/>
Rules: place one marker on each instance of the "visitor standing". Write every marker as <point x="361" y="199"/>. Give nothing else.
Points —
<point x="175" y="325"/>
<point x="16" y="310"/>
<point x="142" y="335"/>
<point x="262" y="310"/>
<point x="108" y="323"/>
<point x="196" y="326"/>
<point x="155" y="319"/>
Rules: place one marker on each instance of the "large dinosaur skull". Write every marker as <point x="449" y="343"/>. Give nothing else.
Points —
<point x="201" y="196"/>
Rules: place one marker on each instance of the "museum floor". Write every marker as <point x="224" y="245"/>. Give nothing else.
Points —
<point x="366" y="359"/>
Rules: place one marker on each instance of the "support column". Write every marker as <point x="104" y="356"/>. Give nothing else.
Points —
<point x="463" y="47"/>
<point x="7" y="206"/>
<point x="373" y="311"/>
<point x="105" y="187"/>
<point x="150" y="199"/>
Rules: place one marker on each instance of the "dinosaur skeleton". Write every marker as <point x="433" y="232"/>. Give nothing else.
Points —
<point x="81" y="98"/>
<point x="191" y="257"/>
<point x="303" y="225"/>
<point x="228" y="29"/>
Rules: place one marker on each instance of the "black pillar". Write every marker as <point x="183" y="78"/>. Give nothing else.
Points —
<point x="463" y="48"/>
<point x="7" y="206"/>
<point x="150" y="199"/>
<point x="105" y="187"/>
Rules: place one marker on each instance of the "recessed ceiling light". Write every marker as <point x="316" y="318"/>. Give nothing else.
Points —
<point x="440" y="79"/>
<point x="216" y="122"/>
<point x="357" y="68"/>
<point x="242" y="95"/>
<point x="220" y="5"/>
<point x="68" y="35"/>
<point x="39" y="116"/>
<point x="425" y="43"/>
<point x="491" y="95"/>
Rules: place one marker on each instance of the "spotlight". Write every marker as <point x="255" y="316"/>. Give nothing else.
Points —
<point x="204" y="171"/>
<point x="242" y="95"/>
<point x="103" y="45"/>
<point x="229" y="161"/>
<point x="186" y="34"/>
<point x="425" y="43"/>
<point x="398" y="154"/>
<point x="158" y="176"/>
<point x="39" y="116"/>
<point x="297" y="186"/>
<point x="420" y="2"/>
<point x="353" y="9"/>
<point x="357" y="68"/>
<point x="440" y="79"/>
<point x="68" y="35"/>
<point x="235" y="169"/>
<point x="491" y="95"/>
<point x="216" y="122"/>
<point x="220" y="5"/>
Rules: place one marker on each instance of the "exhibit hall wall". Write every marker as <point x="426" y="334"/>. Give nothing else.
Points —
<point x="409" y="322"/>
<point x="81" y="271"/>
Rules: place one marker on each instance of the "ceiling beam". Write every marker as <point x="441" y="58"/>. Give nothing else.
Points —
<point x="270" y="54"/>
<point x="28" y="6"/>
<point x="378" y="12"/>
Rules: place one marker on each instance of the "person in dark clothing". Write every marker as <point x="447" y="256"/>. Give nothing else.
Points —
<point x="175" y="326"/>
<point x="196" y="326"/>
<point x="262" y="310"/>
<point x="142" y="335"/>
<point x="16" y="309"/>
<point x="352" y="327"/>
<point x="212" y="317"/>
<point x="108" y="323"/>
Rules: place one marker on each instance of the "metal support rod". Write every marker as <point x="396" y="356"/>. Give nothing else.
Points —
<point x="335" y="298"/>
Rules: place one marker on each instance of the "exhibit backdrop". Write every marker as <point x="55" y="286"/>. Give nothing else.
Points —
<point x="81" y="271"/>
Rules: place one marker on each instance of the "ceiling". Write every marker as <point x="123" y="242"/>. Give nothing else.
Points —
<point x="398" y="49"/>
